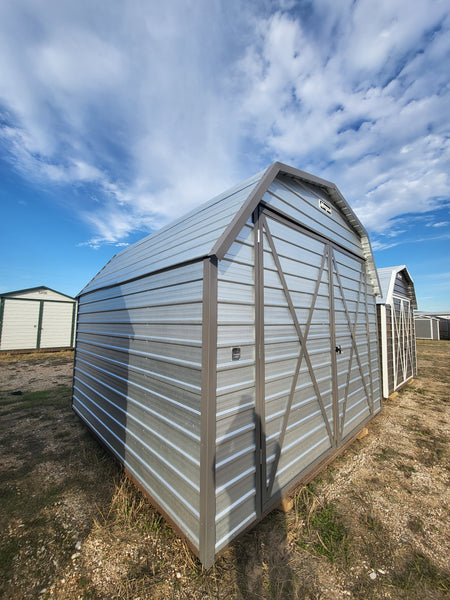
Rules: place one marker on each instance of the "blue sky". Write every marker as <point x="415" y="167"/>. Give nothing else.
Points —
<point x="118" y="116"/>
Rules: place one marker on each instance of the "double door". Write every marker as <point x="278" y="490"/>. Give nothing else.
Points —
<point x="316" y="346"/>
<point x="403" y="341"/>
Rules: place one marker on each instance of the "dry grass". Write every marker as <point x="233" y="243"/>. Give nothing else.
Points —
<point x="373" y="525"/>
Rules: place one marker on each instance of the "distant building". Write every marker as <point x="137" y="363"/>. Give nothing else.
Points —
<point x="36" y="319"/>
<point x="432" y="325"/>
<point x="396" y="327"/>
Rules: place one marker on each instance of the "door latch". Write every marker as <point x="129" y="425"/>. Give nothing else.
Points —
<point x="338" y="349"/>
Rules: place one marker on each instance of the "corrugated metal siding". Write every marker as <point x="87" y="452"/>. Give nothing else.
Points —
<point x="306" y="436"/>
<point x="359" y="384"/>
<point x="301" y="200"/>
<point x="435" y="329"/>
<point x="302" y="398"/>
<point x="57" y="325"/>
<point x="424" y="329"/>
<point x="404" y="346"/>
<point x="236" y="422"/>
<point x="444" y="329"/>
<point x="401" y="286"/>
<point x="20" y="324"/>
<point x="138" y="383"/>
<point x="186" y="239"/>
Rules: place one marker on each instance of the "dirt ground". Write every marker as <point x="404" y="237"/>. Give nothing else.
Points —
<point x="374" y="524"/>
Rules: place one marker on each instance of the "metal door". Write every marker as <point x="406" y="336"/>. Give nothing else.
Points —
<point x="313" y="367"/>
<point x="402" y="341"/>
<point x="20" y="324"/>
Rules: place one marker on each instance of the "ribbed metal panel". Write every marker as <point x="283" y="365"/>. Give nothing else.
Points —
<point x="137" y="383"/>
<point x="236" y="422"/>
<point x="424" y="328"/>
<point x="56" y="325"/>
<point x="305" y="434"/>
<point x="211" y="228"/>
<point x="302" y="202"/>
<point x="188" y="238"/>
<point x="356" y="333"/>
<point x="316" y="297"/>
<point x="20" y="323"/>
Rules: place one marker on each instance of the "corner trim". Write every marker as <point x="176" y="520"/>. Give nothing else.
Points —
<point x="207" y="535"/>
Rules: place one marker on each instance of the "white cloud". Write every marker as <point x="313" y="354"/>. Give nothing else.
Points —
<point x="152" y="108"/>
<point x="386" y="147"/>
<point x="439" y="224"/>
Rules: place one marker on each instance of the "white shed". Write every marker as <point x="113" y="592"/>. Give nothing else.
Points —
<point x="396" y="327"/>
<point x="227" y="357"/>
<point x="36" y="319"/>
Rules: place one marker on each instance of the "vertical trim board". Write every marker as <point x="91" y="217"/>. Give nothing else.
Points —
<point x="208" y="414"/>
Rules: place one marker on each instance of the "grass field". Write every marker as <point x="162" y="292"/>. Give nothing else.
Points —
<point x="373" y="525"/>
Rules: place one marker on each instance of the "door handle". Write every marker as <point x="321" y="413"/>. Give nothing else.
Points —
<point x="338" y="349"/>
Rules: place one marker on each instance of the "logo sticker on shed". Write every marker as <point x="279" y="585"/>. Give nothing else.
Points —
<point x="325" y="207"/>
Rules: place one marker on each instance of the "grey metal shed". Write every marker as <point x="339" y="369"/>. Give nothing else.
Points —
<point x="396" y="328"/>
<point x="229" y="355"/>
<point x="427" y="327"/>
<point x="37" y="318"/>
<point x="433" y="330"/>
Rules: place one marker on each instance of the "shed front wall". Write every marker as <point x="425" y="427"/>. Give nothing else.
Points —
<point x="137" y="383"/>
<point x="427" y="329"/>
<point x="398" y="344"/>
<point x="285" y="398"/>
<point x="321" y="371"/>
<point x="31" y="324"/>
<point x="403" y="341"/>
<point x="444" y="329"/>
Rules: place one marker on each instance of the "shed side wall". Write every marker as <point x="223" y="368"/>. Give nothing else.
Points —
<point x="137" y="383"/>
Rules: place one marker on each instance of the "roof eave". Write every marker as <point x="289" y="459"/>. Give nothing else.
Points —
<point x="35" y="288"/>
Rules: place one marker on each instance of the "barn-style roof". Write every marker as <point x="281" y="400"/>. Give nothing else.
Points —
<point x="210" y="229"/>
<point x="387" y="276"/>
